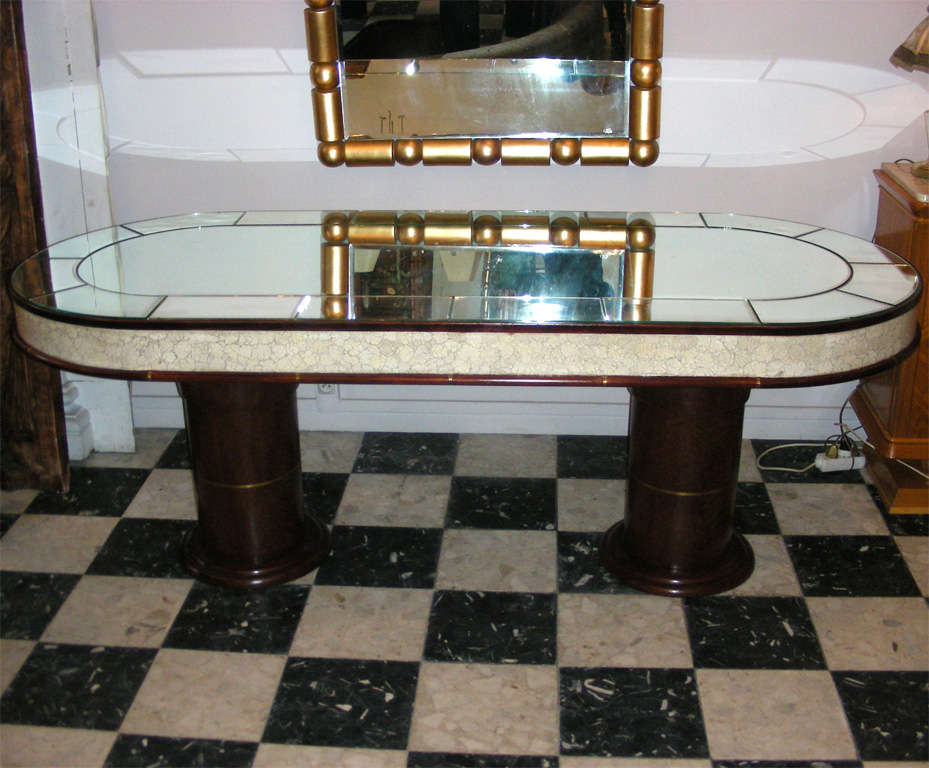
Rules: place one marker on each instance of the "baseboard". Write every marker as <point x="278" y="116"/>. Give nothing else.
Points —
<point x="496" y="410"/>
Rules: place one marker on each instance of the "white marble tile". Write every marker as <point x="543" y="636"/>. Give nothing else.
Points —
<point x="486" y="708"/>
<point x="54" y="543"/>
<point x="622" y="631"/>
<point x="206" y="694"/>
<point x="15" y="502"/>
<point x="503" y="561"/>
<point x="293" y="756"/>
<point x="629" y="762"/>
<point x="166" y="494"/>
<point x="419" y="501"/>
<point x="329" y="451"/>
<point x="26" y="746"/>
<point x="773" y="715"/>
<point x="589" y="504"/>
<point x="363" y="623"/>
<point x="915" y="551"/>
<point x="109" y="610"/>
<point x="506" y="455"/>
<point x="774" y="573"/>
<point x="12" y="655"/>
<point x="872" y="632"/>
<point x="808" y="509"/>
<point x="149" y="445"/>
<point x="748" y="468"/>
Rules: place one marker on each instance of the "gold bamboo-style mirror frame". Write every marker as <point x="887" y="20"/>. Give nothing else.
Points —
<point x="640" y="147"/>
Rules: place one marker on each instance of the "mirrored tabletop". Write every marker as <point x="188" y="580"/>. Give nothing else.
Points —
<point x="618" y="271"/>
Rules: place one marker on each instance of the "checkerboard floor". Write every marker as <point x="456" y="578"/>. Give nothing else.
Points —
<point x="461" y="620"/>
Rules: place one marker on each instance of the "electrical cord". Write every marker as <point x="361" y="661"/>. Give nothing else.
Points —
<point x="865" y="442"/>
<point x="764" y="453"/>
<point x="847" y="439"/>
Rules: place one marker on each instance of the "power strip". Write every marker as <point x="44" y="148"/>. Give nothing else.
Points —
<point x="844" y="461"/>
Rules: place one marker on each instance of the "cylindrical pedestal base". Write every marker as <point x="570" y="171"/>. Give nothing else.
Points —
<point x="245" y="450"/>
<point x="677" y="536"/>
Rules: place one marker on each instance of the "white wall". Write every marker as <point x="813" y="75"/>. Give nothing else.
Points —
<point x="773" y="107"/>
<point x="71" y="141"/>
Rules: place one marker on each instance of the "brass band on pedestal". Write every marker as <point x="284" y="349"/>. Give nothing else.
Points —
<point x="644" y="111"/>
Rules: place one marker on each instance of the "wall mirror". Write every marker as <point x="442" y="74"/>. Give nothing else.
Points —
<point x="456" y="82"/>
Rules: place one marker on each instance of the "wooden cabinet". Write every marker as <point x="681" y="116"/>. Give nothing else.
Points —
<point x="892" y="405"/>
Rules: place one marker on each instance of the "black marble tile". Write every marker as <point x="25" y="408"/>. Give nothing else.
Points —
<point x="29" y="601"/>
<point x="900" y="525"/>
<point x="598" y="457"/>
<point x="579" y="568"/>
<point x="407" y="453"/>
<point x="253" y="621"/>
<point x="798" y="458"/>
<point x="907" y="525"/>
<point x="453" y="760"/>
<point x="177" y="454"/>
<point x="754" y="512"/>
<point x="76" y="686"/>
<point x="887" y="712"/>
<point x="134" y="751"/>
<point x="752" y="633"/>
<point x="613" y="712"/>
<point x="6" y="522"/>
<point x="322" y="492"/>
<point x="143" y="547"/>
<point x="850" y="566"/>
<point x="528" y="504"/>
<point x="373" y="556"/>
<point x="344" y="703"/>
<point x="103" y="492"/>
<point x="492" y="628"/>
<point x="786" y="764"/>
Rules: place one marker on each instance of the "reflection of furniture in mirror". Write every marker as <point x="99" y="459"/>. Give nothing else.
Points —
<point x="560" y="29"/>
<point x="894" y="405"/>
<point x="504" y="102"/>
<point x="736" y="303"/>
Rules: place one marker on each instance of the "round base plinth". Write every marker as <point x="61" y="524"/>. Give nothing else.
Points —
<point x="733" y="568"/>
<point x="291" y="565"/>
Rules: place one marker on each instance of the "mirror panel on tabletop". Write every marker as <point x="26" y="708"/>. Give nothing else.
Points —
<point x="429" y="268"/>
<point x="456" y="82"/>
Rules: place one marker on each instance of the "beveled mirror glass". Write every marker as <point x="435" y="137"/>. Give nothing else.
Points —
<point x="451" y="82"/>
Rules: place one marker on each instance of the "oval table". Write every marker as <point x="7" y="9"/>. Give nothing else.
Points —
<point x="689" y="311"/>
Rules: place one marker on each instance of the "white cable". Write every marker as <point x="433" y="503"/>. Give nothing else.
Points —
<point x="786" y="469"/>
<point x="899" y="461"/>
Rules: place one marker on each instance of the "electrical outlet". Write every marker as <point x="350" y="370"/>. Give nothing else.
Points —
<point x="844" y="461"/>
